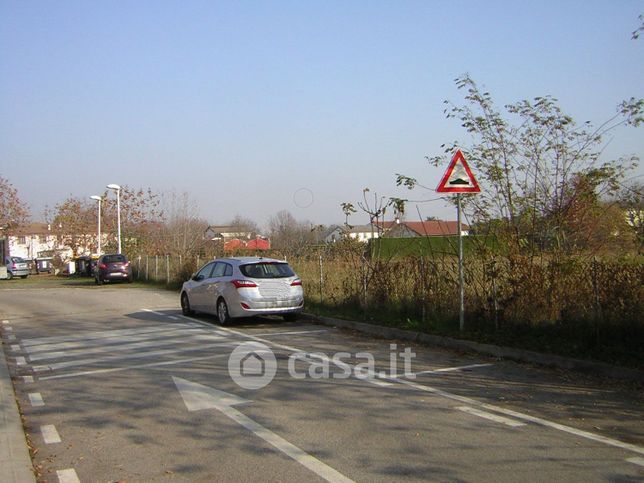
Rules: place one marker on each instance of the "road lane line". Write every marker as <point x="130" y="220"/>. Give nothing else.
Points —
<point x="636" y="461"/>
<point x="21" y="361"/>
<point x="451" y="369"/>
<point x="5" y="322"/>
<point x="49" y="434"/>
<point x="36" y="399"/>
<point x="11" y="337"/>
<point x="266" y="334"/>
<point x="15" y="347"/>
<point x="27" y="379"/>
<point x="524" y="417"/>
<point x="137" y="366"/>
<point x="473" y="402"/>
<point x="67" y="476"/>
<point x="492" y="417"/>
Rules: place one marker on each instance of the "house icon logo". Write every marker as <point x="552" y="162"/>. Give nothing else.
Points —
<point x="252" y="365"/>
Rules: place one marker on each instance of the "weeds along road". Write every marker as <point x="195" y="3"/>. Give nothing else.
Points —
<point x="115" y="384"/>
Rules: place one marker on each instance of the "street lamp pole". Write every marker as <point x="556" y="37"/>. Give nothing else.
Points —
<point x="99" y="199"/>
<point x="117" y="188"/>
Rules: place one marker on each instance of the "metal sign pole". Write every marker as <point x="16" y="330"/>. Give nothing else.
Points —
<point x="461" y="283"/>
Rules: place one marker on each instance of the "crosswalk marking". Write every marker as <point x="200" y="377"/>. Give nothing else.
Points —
<point x="102" y="334"/>
<point x="110" y="350"/>
<point x="126" y="346"/>
<point x="117" y="339"/>
<point x="120" y="357"/>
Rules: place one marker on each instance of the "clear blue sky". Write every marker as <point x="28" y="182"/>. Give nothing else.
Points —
<point x="250" y="106"/>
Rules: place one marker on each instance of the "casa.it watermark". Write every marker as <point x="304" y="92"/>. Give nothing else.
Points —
<point x="252" y="365"/>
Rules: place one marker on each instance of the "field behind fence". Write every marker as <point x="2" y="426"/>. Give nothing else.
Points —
<point x="579" y="304"/>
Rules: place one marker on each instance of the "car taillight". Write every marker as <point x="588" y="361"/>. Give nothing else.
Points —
<point x="296" y="283"/>
<point x="243" y="284"/>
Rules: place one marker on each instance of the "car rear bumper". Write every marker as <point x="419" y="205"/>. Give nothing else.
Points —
<point x="248" y="309"/>
<point x="22" y="272"/>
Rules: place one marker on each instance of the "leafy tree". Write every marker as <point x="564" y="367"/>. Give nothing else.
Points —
<point x="531" y="159"/>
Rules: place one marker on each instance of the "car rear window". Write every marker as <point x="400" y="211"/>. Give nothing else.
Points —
<point x="114" y="259"/>
<point x="266" y="270"/>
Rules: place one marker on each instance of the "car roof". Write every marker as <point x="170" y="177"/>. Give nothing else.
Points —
<point x="247" y="260"/>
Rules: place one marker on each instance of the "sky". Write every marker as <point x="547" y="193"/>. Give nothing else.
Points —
<point x="252" y="107"/>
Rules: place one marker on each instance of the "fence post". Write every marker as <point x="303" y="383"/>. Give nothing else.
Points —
<point x="147" y="268"/>
<point x="321" y="282"/>
<point x="167" y="269"/>
<point x="156" y="268"/>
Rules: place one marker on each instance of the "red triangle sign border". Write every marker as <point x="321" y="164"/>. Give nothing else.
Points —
<point x="442" y="186"/>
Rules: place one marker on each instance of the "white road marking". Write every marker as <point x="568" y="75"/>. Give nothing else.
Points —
<point x="67" y="476"/>
<point x="636" y="461"/>
<point x="266" y="334"/>
<point x="196" y="397"/>
<point x="21" y="361"/>
<point x="5" y="322"/>
<point x="123" y="347"/>
<point x="492" y="417"/>
<point x="452" y="369"/>
<point x="161" y="314"/>
<point x="11" y="337"/>
<point x="15" y="347"/>
<point x="113" y="340"/>
<point x="8" y="328"/>
<point x="524" y="417"/>
<point x="49" y="434"/>
<point x="127" y="368"/>
<point x="28" y="379"/>
<point x="102" y="334"/>
<point x="119" y="357"/>
<point x="473" y="402"/>
<point x="36" y="399"/>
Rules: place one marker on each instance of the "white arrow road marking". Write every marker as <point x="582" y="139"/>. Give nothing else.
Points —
<point x="197" y="397"/>
<point x="492" y="417"/>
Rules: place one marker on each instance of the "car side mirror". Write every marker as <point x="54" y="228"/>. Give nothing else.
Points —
<point x="196" y="277"/>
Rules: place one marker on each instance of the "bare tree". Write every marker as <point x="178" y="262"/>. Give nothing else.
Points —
<point x="13" y="211"/>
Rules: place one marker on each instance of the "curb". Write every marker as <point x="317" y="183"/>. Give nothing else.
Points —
<point x="15" y="462"/>
<point x="543" y="359"/>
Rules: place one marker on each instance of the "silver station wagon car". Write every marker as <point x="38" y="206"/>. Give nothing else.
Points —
<point x="243" y="287"/>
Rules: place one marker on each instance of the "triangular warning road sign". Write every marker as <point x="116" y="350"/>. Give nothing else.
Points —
<point x="458" y="177"/>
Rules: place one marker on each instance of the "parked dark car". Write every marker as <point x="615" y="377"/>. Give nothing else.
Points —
<point x="113" y="267"/>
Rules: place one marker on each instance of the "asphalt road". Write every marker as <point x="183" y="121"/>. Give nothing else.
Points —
<point x="116" y="385"/>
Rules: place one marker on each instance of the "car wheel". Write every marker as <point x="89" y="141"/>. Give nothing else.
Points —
<point x="290" y="317"/>
<point x="185" y="305"/>
<point x="24" y="276"/>
<point x="222" y="312"/>
<point x="9" y="275"/>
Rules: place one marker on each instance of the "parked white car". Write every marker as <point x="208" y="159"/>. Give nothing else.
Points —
<point x="243" y="287"/>
<point x="16" y="267"/>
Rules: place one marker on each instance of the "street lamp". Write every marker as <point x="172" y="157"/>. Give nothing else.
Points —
<point x="117" y="188"/>
<point x="99" y="199"/>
